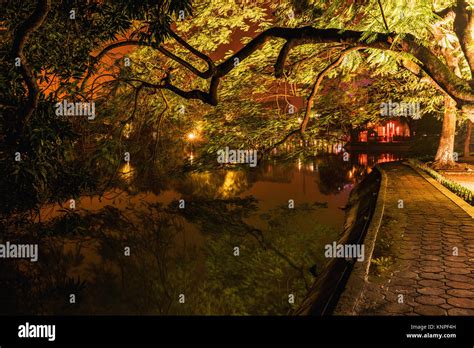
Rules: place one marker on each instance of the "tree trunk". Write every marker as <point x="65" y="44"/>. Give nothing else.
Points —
<point x="467" y="140"/>
<point x="354" y="134"/>
<point x="20" y="38"/>
<point x="444" y="156"/>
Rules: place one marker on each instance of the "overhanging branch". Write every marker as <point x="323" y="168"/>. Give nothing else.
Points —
<point x="95" y="60"/>
<point x="320" y="78"/>
<point x="458" y="88"/>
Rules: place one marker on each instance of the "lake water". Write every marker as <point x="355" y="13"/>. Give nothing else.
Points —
<point x="231" y="241"/>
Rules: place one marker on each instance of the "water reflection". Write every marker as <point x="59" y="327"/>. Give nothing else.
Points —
<point x="235" y="247"/>
<point x="369" y="160"/>
<point x="126" y="172"/>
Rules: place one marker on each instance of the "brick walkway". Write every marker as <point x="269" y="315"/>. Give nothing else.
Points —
<point x="420" y="242"/>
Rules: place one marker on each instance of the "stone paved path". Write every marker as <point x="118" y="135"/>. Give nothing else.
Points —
<point x="420" y="241"/>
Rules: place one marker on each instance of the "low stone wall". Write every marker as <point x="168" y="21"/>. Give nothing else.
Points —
<point x="341" y="274"/>
<point x="351" y="296"/>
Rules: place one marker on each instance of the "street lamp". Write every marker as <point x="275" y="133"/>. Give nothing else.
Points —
<point x="191" y="136"/>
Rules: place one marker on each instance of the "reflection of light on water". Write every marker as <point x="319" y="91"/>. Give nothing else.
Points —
<point x="351" y="173"/>
<point x="299" y="164"/>
<point x="229" y="182"/>
<point x="201" y="178"/>
<point x="127" y="130"/>
<point x="388" y="157"/>
<point x="126" y="172"/>
<point x="203" y="183"/>
<point x="191" y="157"/>
<point x="311" y="167"/>
<point x="369" y="160"/>
<point x="230" y="185"/>
<point x="362" y="159"/>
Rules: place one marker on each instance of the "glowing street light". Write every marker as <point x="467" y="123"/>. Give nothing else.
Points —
<point x="191" y="136"/>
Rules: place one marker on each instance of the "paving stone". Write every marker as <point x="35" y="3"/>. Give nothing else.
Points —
<point x="460" y="311"/>
<point x="431" y="283"/>
<point x="397" y="308"/>
<point x="457" y="270"/>
<point x="431" y="276"/>
<point x="459" y="277"/>
<point x="424" y="233"/>
<point x="460" y="302"/>
<point x="429" y="310"/>
<point x="431" y="257"/>
<point x="430" y="300"/>
<point x="461" y="293"/>
<point x="431" y="269"/>
<point x="438" y="264"/>
<point x="451" y="264"/>
<point x="430" y="291"/>
<point x="456" y="258"/>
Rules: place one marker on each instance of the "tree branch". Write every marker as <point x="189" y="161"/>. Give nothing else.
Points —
<point x="280" y="63"/>
<point x="95" y="60"/>
<point x="444" y="13"/>
<point x="283" y="140"/>
<point x="455" y="86"/>
<point x="458" y="88"/>
<point x="416" y="70"/>
<point x="464" y="29"/>
<point x="206" y="74"/>
<point x="383" y="16"/>
<point x="208" y="60"/>
<point x="22" y="33"/>
<point x="319" y="79"/>
<point x="193" y="94"/>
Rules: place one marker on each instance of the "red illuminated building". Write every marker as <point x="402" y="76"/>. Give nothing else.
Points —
<point x="390" y="131"/>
